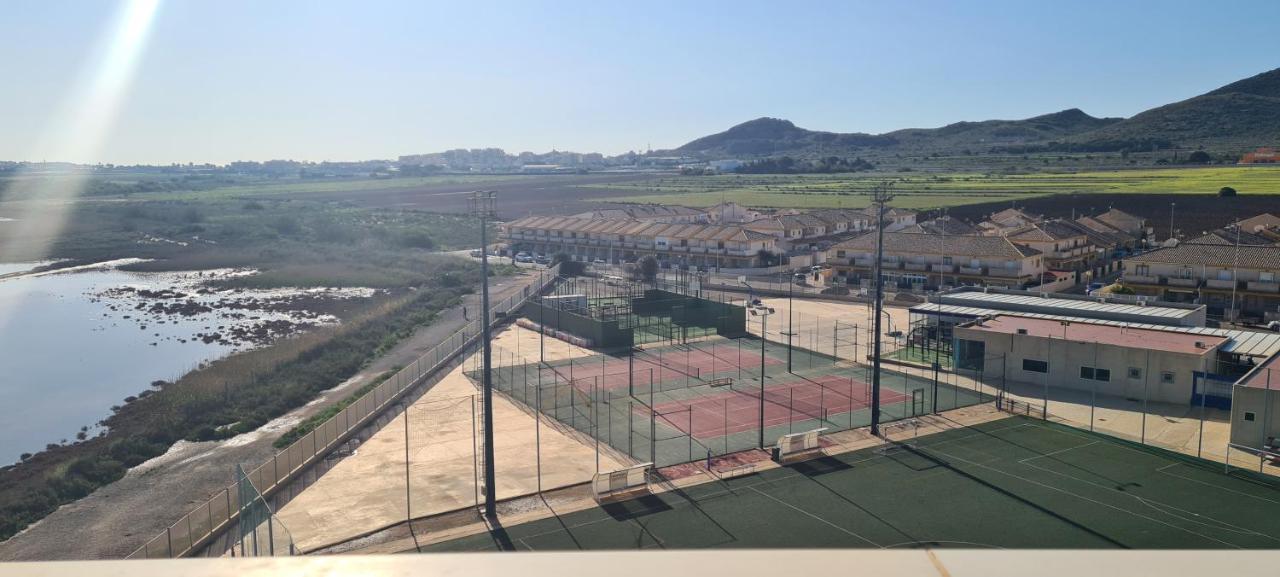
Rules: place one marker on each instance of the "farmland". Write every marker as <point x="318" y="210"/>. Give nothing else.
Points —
<point x="924" y="191"/>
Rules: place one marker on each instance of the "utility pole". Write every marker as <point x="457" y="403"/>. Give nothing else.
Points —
<point x="879" y="195"/>
<point x="1171" y="205"/>
<point x="482" y="207"/>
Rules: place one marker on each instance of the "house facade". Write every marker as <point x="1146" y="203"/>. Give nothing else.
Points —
<point x="1225" y="277"/>
<point x="934" y="260"/>
<point x="618" y="241"/>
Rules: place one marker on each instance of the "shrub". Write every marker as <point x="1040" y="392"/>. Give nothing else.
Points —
<point x="1226" y="191"/>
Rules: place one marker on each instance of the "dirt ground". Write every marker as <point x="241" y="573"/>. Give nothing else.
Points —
<point x="549" y="194"/>
<point x="117" y="519"/>
<point x="367" y="491"/>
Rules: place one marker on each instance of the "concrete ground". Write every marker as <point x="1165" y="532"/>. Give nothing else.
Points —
<point x="366" y="492"/>
<point x="814" y="321"/>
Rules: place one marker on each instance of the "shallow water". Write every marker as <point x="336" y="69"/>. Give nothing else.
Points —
<point x="72" y="345"/>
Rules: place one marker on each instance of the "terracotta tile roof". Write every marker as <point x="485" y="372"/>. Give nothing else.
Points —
<point x="636" y="228"/>
<point x="1220" y="255"/>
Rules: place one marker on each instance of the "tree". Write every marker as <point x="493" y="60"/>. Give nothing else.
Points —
<point x="568" y="266"/>
<point x="648" y="267"/>
<point x="1226" y="191"/>
<point x="766" y="257"/>
<point x="1199" y="157"/>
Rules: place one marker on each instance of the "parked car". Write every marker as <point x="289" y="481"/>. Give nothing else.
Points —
<point x="541" y="259"/>
<point x="476" y="253"/>
<point x="1094" y="286"/>
<point x="523" y="257"/>
<point x="1274" y="326"/>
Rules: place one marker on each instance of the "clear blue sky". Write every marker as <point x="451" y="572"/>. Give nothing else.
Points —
<point x="252" y="80"/>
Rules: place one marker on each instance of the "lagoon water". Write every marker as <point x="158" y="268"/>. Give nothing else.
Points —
<point x="67" y="356"/>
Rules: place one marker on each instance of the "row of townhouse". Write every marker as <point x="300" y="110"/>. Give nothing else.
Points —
<point x="797" y="229"/>
<point x="1233" y="274"/>
<point x="617" y="241"/>
<point x="934" y="260"/>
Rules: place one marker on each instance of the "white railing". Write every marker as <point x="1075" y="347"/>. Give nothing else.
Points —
<point x="196" y="528"/>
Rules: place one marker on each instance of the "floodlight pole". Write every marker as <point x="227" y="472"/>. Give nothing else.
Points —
<point x="791" y="332"/>
<point x="482" y="206"/>
<point x="879" y="195"/>
<point x="764" y="324"/>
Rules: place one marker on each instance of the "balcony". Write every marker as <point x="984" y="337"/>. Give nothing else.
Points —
<point x="1141" y="279"/>
<point x="1183" y="282"/>
<point x="944" y="268"/>
<point x="1005" y="272"/>
<point x="865" y="262"/>
<point x="1220" y="283"/>
<point x="1264" y="286"/>
<point x="917" y="266"/>
<point x="971" y="270"/>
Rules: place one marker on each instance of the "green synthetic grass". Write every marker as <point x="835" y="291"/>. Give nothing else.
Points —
<point x="935" y="190"/>
<point x="1012" y="483"/>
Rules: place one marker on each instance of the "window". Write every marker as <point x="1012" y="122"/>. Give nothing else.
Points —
<point x="1034" y="366"/>
<point x="946" y="260"/>
<point x="1095" y="374"/>
<point x="1166" y="377"/>
<point x="1135" y="373"/>
<point x="1248" y="415"/>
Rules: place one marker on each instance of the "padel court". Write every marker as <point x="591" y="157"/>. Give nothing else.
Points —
<point x="1010" y="483"/>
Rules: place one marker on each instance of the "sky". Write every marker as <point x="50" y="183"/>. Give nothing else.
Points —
<point x="319" y="80"/>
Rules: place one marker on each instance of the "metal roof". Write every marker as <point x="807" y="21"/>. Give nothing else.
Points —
<point x="1034" y="302"/>
<point x="1251" y="343"/>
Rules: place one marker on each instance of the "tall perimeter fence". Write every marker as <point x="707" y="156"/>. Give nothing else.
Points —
<point x="227" y="507"/>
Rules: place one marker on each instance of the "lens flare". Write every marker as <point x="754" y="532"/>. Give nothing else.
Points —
<point x="76" y="133"/>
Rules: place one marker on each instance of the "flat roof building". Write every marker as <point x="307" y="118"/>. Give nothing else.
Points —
<point x="1100" y="359"/>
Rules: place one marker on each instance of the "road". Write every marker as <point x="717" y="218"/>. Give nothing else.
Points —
<point x="115" y="520"/>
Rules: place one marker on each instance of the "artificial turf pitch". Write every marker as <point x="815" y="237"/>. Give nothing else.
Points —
<point x="1010" y="483"/>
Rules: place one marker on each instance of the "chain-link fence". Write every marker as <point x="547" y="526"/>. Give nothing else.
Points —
<point x="220" y="512"/>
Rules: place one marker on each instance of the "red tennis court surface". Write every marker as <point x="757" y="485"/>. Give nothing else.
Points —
<point x="670" y="365"/>
<point x="738" y="411"/>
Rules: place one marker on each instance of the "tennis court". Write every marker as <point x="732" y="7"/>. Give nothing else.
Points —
<point x="1009" y="483"/>
<point x="684" y="402"/>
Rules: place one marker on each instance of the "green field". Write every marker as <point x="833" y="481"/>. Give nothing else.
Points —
<point x="920" y="190"/>
<point x="1011" y="483"/>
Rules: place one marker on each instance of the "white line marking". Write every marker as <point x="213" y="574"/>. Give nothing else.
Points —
<point x="815" y="517"/>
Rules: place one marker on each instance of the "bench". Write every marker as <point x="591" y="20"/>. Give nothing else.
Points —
<point x="622" y="484"/>
<point x="798" y="447"/>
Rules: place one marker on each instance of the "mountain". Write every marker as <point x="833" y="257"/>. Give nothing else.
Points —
<point x="765" y="136"/>
<point x="1237" y="117"/>
<point x="1234" y="118"/>
<point x="769" y="136"/>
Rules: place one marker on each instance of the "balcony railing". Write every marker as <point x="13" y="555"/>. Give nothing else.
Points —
<point x="917" y="266"/>
<point x="1141" y="279"/>
<point x="862" y="262"/>
<point x="1183" y="282"/>
<point x="971" y="270"/>
<point x="1005" y="272"/>
<point x="1264" y="286"/>
<point x="1220" y="283"/>
<point x="944" y="268"/>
